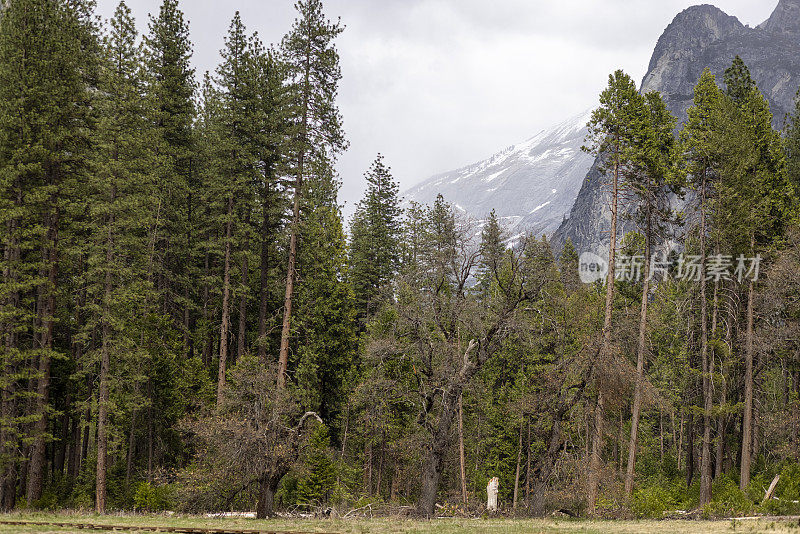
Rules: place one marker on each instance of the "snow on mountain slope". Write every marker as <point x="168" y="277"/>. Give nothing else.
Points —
<point x="531" y="185"/>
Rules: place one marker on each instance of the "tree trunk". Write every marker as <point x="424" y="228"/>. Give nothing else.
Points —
<point x="705" y="460"/>
<point x="595" y="463"/>
<point x="241" y="338"/>
<point x="434" y="457"/>
<point x="38" y="450"/>
<point x="226" y="293"/>
<point x="747" y="420"/>
<point x="283" y="355"/>
<point x="640" y="355"/>
<point x="263" y="285"/>
<point x="266" y="497"/>
<point x="595" y="460"/>
<point x="519" y="468"/>
<point x="461" y="456"/>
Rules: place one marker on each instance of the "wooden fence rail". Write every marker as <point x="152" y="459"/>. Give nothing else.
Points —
<point x="176" y="530"/>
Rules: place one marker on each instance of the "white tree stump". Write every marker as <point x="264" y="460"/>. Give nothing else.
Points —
<point x="491" y="494"/>
<point x="771" y="490"/>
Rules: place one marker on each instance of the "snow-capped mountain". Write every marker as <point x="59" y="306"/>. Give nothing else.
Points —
<point x="531" y="185"/>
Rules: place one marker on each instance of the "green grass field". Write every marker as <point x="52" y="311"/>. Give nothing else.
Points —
<point x="391" y="526"/>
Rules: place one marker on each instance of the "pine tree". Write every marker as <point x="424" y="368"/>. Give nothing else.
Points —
<point x="696" y="138"/>
<point x="612" y="129"/>
<point x="492" y="248"/>
<point x="655" y="155"/>
<point x="314" y="74"/>
<point x="236" y="162"/>
<point x="275" y="122"/>
<point x="121" y="193"/>
<point x="374" y="242"/>
<point x="44" y="123"/>
<point x="171" y="89"/>
<point x="753" y="203"/>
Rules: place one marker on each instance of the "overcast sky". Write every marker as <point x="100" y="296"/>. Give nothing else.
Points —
<point x="437" y="84"/>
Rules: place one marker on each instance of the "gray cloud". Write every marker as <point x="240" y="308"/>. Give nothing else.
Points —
<point x="436" y="84"/>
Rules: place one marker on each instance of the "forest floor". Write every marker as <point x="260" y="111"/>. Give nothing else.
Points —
<point x="392" y="526"/>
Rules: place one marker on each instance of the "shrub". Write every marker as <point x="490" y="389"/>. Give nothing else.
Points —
<point x="152" y="498"/>
<point x="652" y="501"/>
<point x="727" y="499"/>
<point x="316" y="487"/>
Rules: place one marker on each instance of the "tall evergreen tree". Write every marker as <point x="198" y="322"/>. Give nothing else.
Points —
<point x="696" y="138"/>
<point x="374" y="241"/>
<point x="753" y="204"/>
<point x="314" y="74"/>
<point x="612" y="130"/>
<point x="44" y="122"/>
<point x="121" y="194"/>
<point x="655" y="154"/>
<point x="171" y="89"/>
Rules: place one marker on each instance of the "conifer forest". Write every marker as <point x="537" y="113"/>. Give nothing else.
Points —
<point x="188" y="322"/>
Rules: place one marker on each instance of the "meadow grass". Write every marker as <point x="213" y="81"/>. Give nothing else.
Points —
<point x="392" y="526"/>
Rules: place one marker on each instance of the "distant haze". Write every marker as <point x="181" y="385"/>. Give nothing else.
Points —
<point x="438" y="84"/>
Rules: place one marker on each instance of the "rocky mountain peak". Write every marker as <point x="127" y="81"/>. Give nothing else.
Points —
<point x="682" y="44"/>
<point x="700" y="37"/>
<point x="785" y="19"/>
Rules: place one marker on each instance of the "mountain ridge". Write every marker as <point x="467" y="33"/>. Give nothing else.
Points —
<point x="530" y="185"/>
<point x="699" y="37"/>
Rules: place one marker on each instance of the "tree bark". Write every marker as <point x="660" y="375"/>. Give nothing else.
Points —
<point x="103" y="397"/>
<point x="226" y="293"/>
<point x="266" y="497"/>
<point x="747" y="420"/>
<point x="519" y="467"/>
<point x="640" y="355"/>
<point x="242" y="337"/>
<point x="38" y="458"/>
<point x="705" y="460"/>
<point x="595" y="460"/>
<point x="461" y="456"/>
